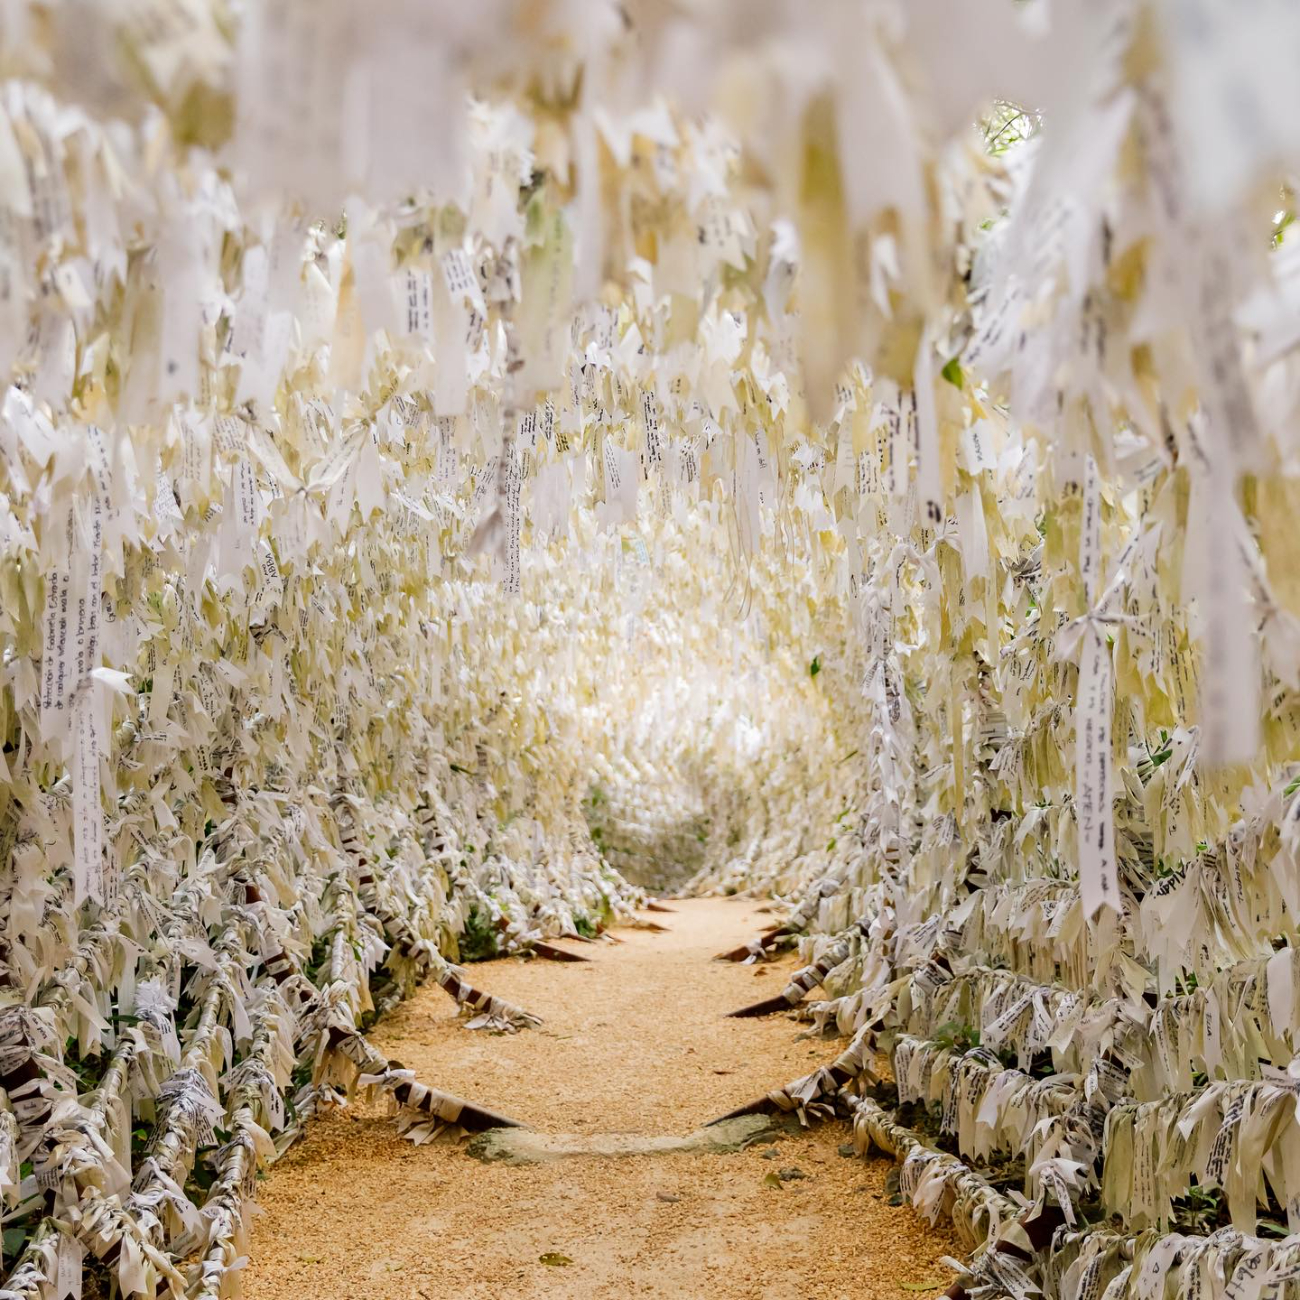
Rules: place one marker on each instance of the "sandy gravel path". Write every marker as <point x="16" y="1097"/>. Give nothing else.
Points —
<point x="634" y="1043"/>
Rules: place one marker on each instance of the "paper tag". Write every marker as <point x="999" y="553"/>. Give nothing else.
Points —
<point x="513" y="515"/>
<point x="1098" y="877"/>
<point x="925" y="445"/>
<point x="57" y="676"/>
<point x="1090" y="532"/>
<point x="419" y="303"/>
<point x="459" y="277"/>
<point x="71" y="1257"/>
<point x="87" y="811"/>
<point x="1215" y="572"/>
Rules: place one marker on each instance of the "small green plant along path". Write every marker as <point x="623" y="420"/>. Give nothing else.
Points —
<point x="614" y="1190"/>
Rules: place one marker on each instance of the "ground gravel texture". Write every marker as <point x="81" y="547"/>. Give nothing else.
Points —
<point x="634" y="1045"/>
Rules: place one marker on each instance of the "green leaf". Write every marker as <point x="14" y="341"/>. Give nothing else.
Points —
<point x="815" y="667"/>
<point x="952" y="373"/>
<point x="553" y="1259"/>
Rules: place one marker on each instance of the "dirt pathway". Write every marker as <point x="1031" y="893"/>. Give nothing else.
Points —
<point x="633" y="1043"/>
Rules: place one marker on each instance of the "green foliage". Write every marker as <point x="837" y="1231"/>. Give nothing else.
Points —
<point x="815" y="667"/>
<point x="952" y="372"/>
<point x="1008" y="125"/>
<point x="1163" y="752"/>
<point x="957" y="1035"/>
<point x="478" y="940"/>
<point x="1202" y="1210"/>
<point x="89" y="1070"/>
<point x="320" y="952"/>
<point x="1281" y="223"/>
